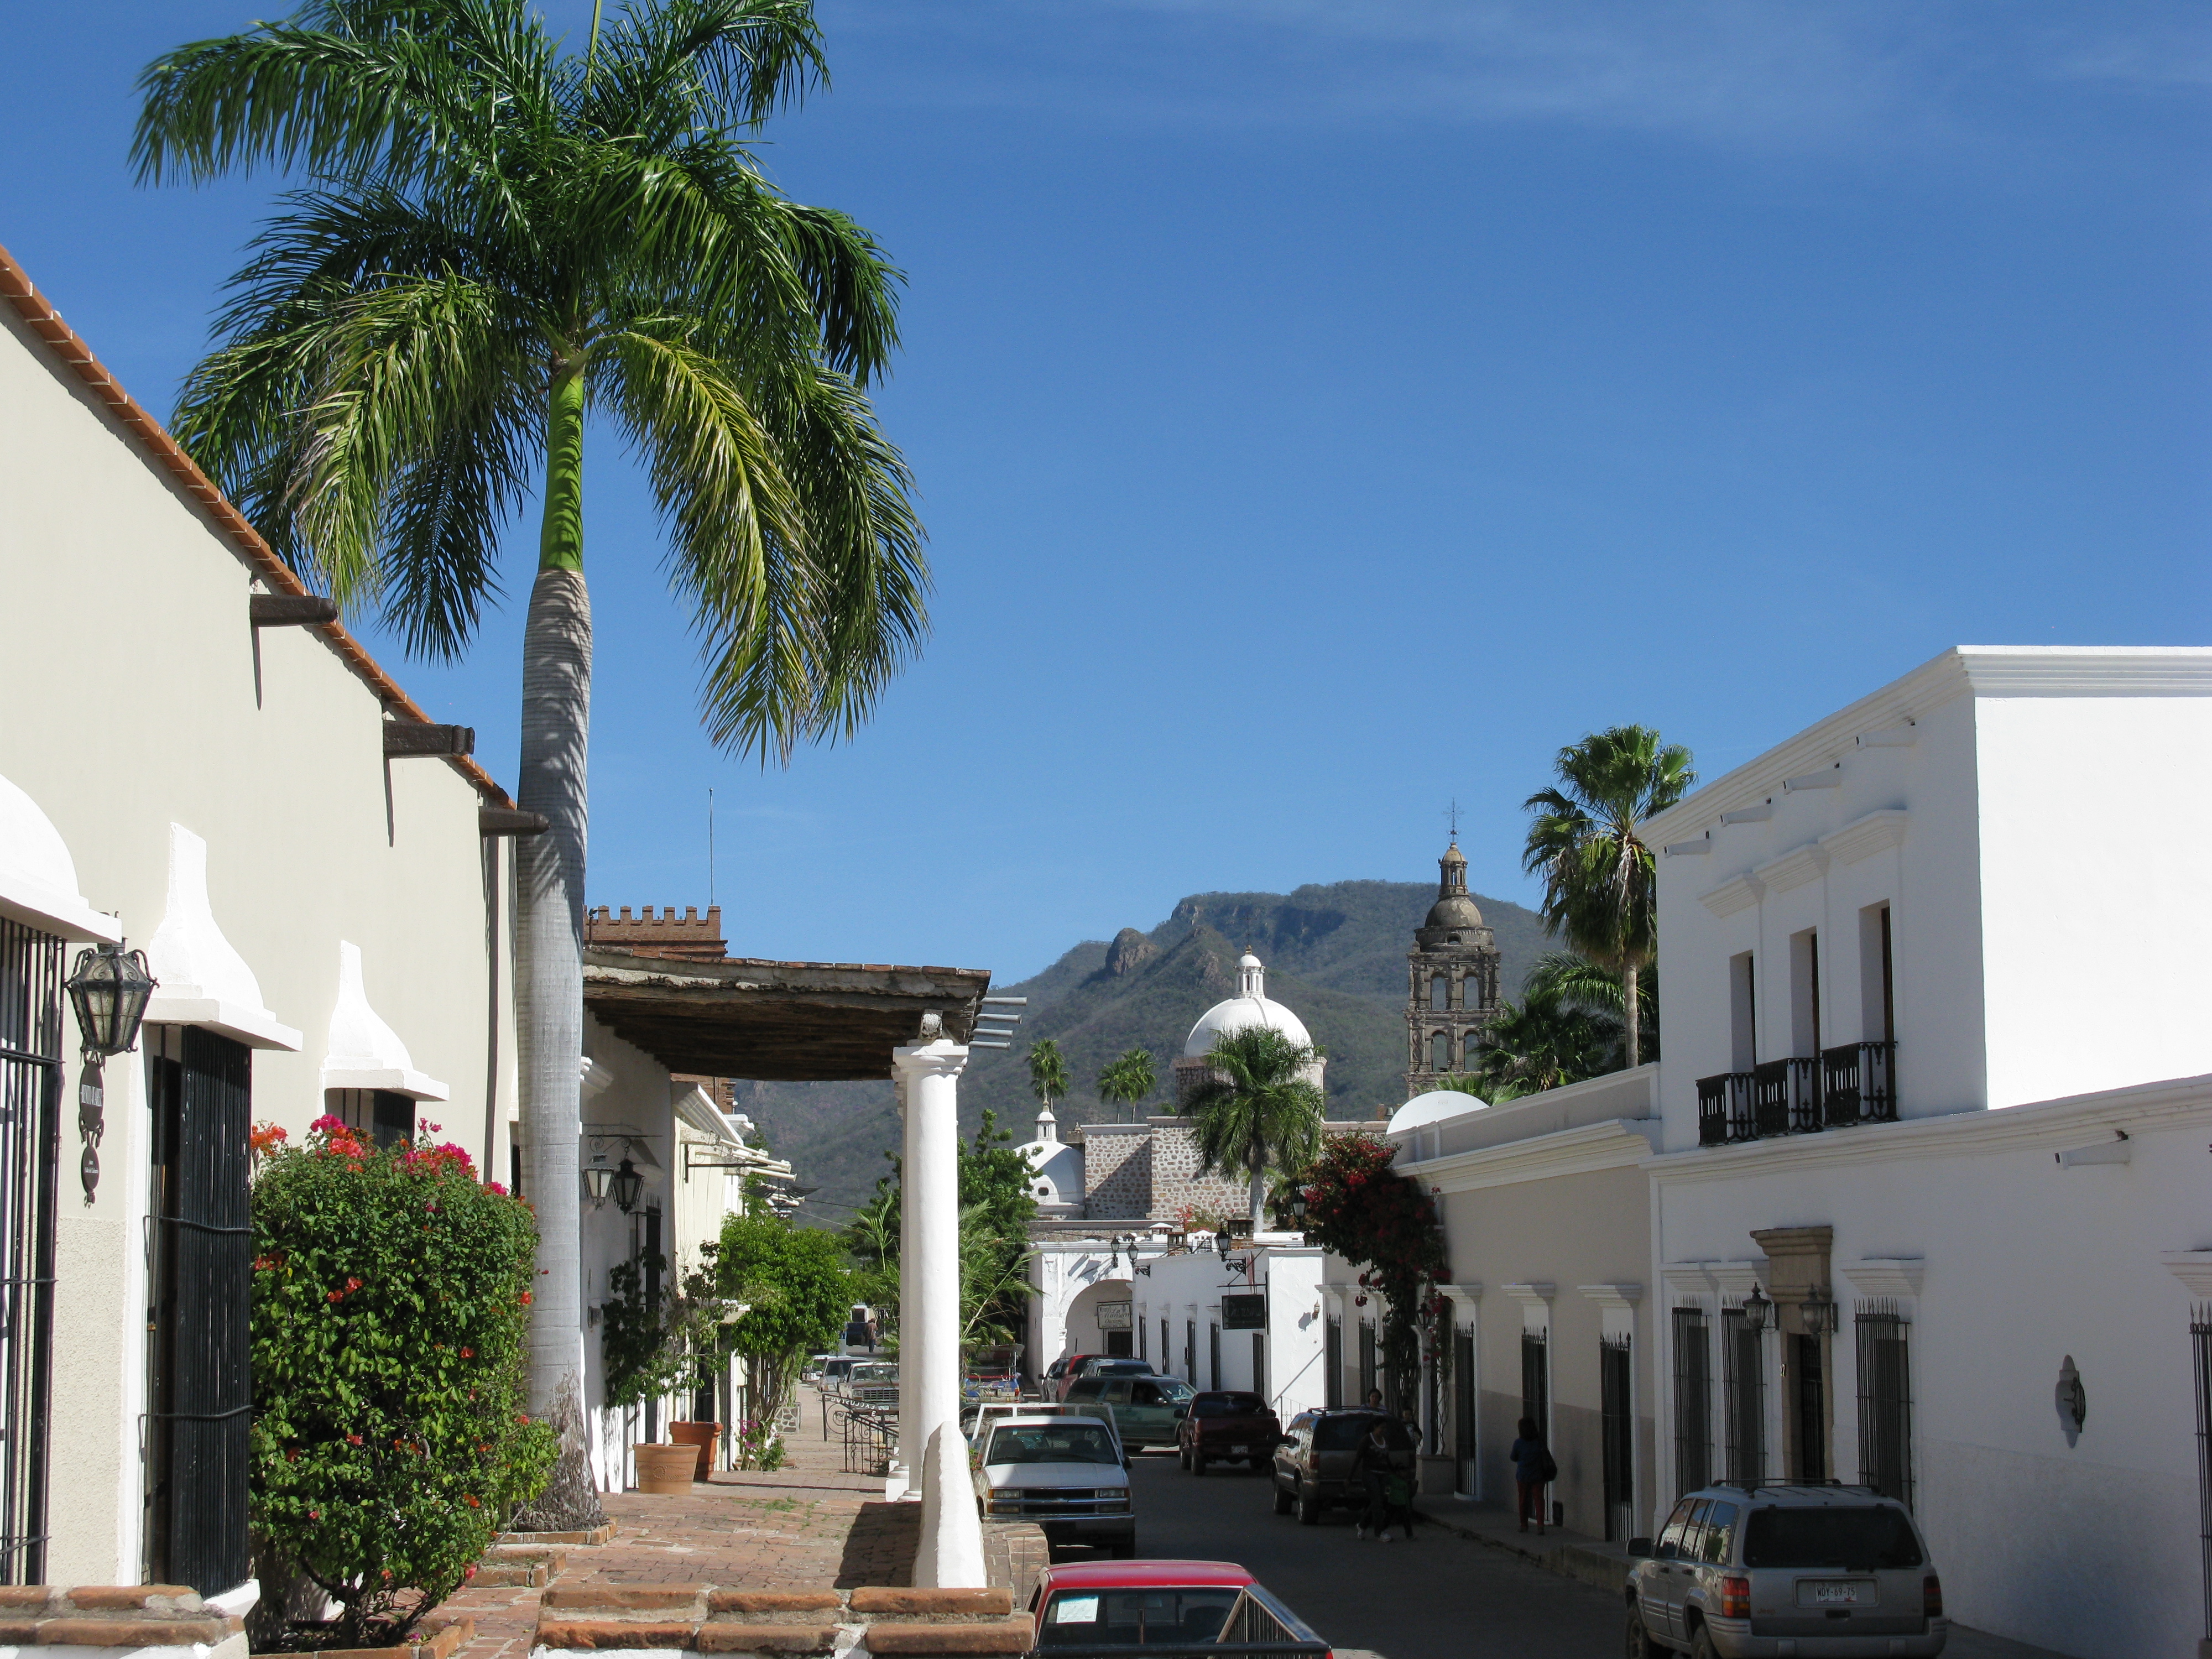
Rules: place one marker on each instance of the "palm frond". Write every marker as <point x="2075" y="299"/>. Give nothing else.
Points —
<point x="707" y="63"/>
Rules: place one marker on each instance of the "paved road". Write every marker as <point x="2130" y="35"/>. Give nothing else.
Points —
<point x="1440" y="1597"/>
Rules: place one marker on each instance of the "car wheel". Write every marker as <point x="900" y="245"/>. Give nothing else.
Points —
<point x="1308" y="1509"/>
<point x="1282" y="1500"/>
<point x="1701" y="1645"/>
<point x="1639" y="1645"/>
<point x="1182" y="1456"/>
<point x="1198" y="1462"/>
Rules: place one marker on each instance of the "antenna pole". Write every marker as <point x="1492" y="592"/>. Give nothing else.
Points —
<point x="710" y="846"/>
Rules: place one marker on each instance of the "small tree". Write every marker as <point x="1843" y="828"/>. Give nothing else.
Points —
<point x="390" y="1321"/>
<point x="1358" y="1207"/>
<point x="1128" y="1079"/>
<point x="797" y="1293"/>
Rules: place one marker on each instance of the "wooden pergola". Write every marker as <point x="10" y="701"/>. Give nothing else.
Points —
<point x="778" y="1022"/>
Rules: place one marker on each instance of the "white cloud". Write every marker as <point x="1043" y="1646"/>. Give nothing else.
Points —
<point x="1787" y="72"/>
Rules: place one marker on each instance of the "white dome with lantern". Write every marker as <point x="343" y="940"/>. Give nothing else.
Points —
<point x="1055" y="1169"/>
<point x="1248" y="1008"/>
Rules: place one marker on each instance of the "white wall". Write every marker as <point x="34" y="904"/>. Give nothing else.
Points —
<point x="2022" y="1263"/>
<point x="2097" y="917"/>
<point x="135" y="693"/>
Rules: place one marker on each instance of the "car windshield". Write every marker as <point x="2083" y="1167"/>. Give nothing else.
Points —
<point x="1857" y="1540"/>
<point x="1075" y="1440"/>
<point x="1227" y="1404"/>
<point x="1343" y="1433"/>
<point x="1089" y="1618"/>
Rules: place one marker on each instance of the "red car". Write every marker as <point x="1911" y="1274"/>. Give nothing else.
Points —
<point x="1175" y="1606"/>
<point x="1225" y="1425"/>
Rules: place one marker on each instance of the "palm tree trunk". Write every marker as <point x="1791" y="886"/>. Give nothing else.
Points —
<point x="1628" y="977"/>
<point x="1259" y="1189"/>
<point x="549" y="975"/>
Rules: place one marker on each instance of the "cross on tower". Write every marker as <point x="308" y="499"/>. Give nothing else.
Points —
<point x="1453" y="817"/>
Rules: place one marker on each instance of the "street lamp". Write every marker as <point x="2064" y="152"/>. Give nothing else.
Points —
<point x="1758" y="1311"/>
<point x="1299" y="1204"/>
<point x="626" y="1184"/>
<point x="109" y="988"/>
<point x="1221" y="1244"/>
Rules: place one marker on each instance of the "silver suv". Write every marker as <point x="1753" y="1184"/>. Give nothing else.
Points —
<point x="1822" y="1573"/>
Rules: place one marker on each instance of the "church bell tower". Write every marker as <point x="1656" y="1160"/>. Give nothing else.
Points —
<point x="1451" y="981"/>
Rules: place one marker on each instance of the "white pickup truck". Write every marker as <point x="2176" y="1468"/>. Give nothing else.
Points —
<point x="1067" y="1474"/>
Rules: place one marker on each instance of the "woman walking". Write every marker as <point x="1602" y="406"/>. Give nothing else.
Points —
<point x="1533" y="1471"/>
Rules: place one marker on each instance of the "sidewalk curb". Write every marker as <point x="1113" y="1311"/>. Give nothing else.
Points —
<point x="1595" y="1567"/>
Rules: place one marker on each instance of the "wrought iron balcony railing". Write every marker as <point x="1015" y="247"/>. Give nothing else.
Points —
<point x="1785" y="1096"/>
<point x="1858" y="1084"/>
<point x="1724" y="1109"/>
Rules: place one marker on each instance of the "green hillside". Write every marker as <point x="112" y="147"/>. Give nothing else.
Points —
<point x="1335" y="955"/>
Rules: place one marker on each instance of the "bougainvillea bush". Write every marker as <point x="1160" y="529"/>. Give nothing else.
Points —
<point x="391" y="1305"/>
<point x="1364" y="1211"/>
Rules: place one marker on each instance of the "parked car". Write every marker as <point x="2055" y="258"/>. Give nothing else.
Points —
<point x="1316" y="1464"/>
<point x="1067" y="1473"/>
<point x="1057" y="1375"/>
<point x="1811" y="1571"/>
<point x="1223" y="1424"/>
<point x="1143" y="1408"/>
<point x="836" y="1369"/>
<point x="1176" y="1606"/>
<point x="1077" y="1365"/>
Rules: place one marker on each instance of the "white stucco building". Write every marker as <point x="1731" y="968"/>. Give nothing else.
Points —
<point x="1935" y="1083"/>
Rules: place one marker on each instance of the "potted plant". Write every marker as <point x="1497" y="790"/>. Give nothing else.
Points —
<point x="703" y="1436"/>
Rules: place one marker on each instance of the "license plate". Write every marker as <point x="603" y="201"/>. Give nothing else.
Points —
<point x="1240" y="1451"/>
<point x="1835" y="1593"/>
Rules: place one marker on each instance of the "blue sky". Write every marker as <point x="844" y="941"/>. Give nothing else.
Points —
<point x="1323" y="412"/>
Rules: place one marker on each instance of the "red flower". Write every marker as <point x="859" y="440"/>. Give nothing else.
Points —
<point x="353" y="1283"/>
<point x="472" y="1500"/>
<point x="314" y="1515"/>
<point x="334" y="1296"/>
<point x="468" y="1353"/>
<point x="353" y="1440"/>
<point x="526" y="1299"/>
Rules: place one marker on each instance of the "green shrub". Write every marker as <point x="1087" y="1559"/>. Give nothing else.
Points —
<point x="797" y="1294"/>
<point x="391" y="1311"/>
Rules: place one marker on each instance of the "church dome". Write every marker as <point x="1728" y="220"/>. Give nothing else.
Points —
<point x="1248" y="1008"/>
<point x="1438" y="1104"/>
<point x="1453" y="910"/>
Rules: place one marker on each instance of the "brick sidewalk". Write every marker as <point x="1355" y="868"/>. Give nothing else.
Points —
<point x="806" y="1526"/>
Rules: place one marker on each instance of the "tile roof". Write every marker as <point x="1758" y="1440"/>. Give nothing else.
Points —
<point x="67" y="346"/>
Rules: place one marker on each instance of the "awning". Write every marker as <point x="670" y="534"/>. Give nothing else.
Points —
<point x="779" y="1021"/>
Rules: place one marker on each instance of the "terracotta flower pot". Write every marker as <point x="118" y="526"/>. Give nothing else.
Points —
<point x="665" y="1469"/>
<point x="701" y="1435"/>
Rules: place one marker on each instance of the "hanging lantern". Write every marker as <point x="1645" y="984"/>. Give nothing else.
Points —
<point x="596" y="1176"/>
<point x="626" y="1184"/>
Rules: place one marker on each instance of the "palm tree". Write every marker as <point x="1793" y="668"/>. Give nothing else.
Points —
<point x="1600" y="894"/>
<point x="1575" y="982"/>
<point x="494" y="241"/>
<point x="1048" y="1072"/>
<point x="1545" y="1040"/>
<point x="1257" y="1108"/>
<point x="1128" y="1078"/>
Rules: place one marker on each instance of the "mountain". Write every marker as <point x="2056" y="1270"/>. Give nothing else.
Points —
<point x="1335" y="955"/>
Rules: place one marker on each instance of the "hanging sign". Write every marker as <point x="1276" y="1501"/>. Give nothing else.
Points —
<point x="1243" y="1313"/>
<point x="1113" y="1315"/>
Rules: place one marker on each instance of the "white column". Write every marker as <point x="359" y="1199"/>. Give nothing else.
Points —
<point x="952" y="1553"/>
<point x="903" y="1480"/>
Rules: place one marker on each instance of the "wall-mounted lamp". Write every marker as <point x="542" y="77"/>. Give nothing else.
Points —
<point x="596" y="1177"/>
<point x="109" y="988"/>
<point x="1299" y="1204"/>
<point x="1820" y="1312"/>
<point x="1758" y="1311"/>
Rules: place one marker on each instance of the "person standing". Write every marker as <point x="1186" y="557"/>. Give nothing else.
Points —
<point x="1533" y="1470"/>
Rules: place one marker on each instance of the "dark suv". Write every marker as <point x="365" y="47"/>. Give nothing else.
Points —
<point x="1317" y="1465"/>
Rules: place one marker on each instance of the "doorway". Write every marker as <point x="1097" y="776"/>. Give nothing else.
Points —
<point x="201" y="1088"/>
<point x="1810" y="1385"/>
<point x="30" y="1156"/>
